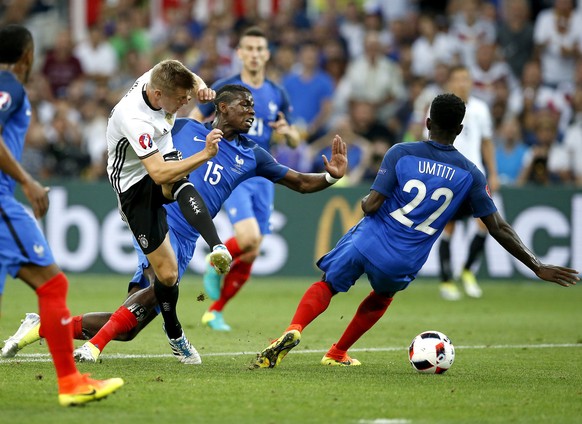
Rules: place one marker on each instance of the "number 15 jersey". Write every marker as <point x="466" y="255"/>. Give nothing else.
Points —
<point x="424" y="183"/>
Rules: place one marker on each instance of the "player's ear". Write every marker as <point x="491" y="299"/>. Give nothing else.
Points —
<point x="222" y="107"/>
<point x="428" y="123"/>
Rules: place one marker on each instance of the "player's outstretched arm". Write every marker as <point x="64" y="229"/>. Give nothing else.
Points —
<point x="336" y="168"/>
<point x="338" y="163"/>
<point x="506" y="236"/>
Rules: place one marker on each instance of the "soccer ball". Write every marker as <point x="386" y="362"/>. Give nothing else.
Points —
<point x="431" y="352"/>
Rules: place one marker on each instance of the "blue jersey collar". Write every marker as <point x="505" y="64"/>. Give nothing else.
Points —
<point x="440" y="146"/>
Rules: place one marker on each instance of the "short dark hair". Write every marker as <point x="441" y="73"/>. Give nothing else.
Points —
<point x="14" y="41"/>
<point x="447" y="111"/>
<point x="254" y="31"/>
<point x="227" y="93"/>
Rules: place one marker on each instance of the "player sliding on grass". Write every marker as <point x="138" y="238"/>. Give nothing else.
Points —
<point x="417" y="190"/>
<point x="237" y="159"/>
<point x="249" y="207"/>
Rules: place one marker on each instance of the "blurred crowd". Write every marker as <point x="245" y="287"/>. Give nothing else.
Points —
<point x="366" y="69"/>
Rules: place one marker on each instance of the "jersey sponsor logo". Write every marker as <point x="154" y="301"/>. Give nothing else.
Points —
<point x="5" y="100"/>
<point x="196" y="138"/>
<point x="145" y="141"/>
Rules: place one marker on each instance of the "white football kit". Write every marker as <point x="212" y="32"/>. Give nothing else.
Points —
<point x="135" y="130"/>
<point x="477" y="125"/>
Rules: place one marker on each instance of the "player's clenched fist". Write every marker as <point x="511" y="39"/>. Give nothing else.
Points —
<point x="205" y="95"/>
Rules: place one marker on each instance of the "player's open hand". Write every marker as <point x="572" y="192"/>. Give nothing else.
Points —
<point x="338" y="163"/>
<point x="558" y="274"/>
<point x="212" y="140"/>
<point x="37" y="196"/>
<point x="205" y="95"/>
<point x="280" y="126"/>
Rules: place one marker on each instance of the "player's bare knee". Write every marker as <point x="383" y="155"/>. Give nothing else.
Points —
<point x="249" y="243"/>
<point x="167" y="273"/>
<point x="168" y="278"/>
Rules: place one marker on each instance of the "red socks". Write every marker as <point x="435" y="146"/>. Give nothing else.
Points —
<point x="56" y="324"/>
<point x="233" y="248"/>
<point x="238" y="275"/>
<point x="121" y="321"/>
<point x="77" y="328"/>
<point x="315" y="300"/>
<point x="369" y="312"/>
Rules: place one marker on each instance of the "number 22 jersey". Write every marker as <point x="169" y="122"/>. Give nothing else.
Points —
<point x="424" y="183"/>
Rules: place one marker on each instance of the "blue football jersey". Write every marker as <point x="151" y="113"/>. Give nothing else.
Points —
<point x="15" y="113"/>
<point x="425" y="183"/>
<point x="235" y="162"/>
<point x="270" y="99"/>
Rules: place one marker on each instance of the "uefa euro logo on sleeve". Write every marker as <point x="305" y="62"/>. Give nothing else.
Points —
<point x="5" y="100"/>
<point x="145" y="141"/>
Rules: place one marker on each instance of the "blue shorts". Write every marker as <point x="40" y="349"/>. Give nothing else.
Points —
<point x="344" y="264"/>
<point x="21" y="240"/>
<point x="253" y="198"/>
<point x="184" y="250"/>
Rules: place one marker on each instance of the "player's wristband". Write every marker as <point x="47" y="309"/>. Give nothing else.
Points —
<point x="330" y="179"/>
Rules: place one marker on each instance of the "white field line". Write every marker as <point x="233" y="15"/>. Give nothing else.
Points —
<point x="45" y="357"/>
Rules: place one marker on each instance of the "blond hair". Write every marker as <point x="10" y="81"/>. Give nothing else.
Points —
<point x="170" y="75"/>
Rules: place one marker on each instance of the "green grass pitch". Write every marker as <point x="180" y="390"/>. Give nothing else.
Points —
<point x="518" y="360"/>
